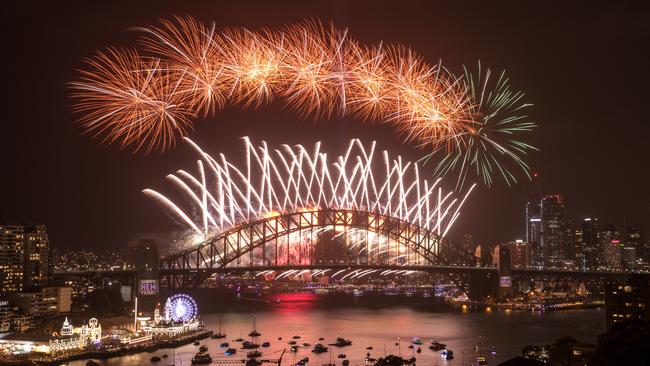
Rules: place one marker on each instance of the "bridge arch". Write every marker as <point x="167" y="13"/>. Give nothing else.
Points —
<point x="311" y="238"/>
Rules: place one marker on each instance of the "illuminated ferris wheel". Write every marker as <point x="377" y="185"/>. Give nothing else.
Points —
<point x="181" y="308"/>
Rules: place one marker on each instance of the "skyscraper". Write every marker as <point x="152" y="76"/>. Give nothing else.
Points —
<point x="554" y="240"/>
<point x="633" y="247"/>
<point x="37" y="248"/>
<point x="12" y="258"/>
<point x="610" y="248"/>
<point x="590" y="243"/>
<point x="533" y="230"/>
<point x="24" y="257"/>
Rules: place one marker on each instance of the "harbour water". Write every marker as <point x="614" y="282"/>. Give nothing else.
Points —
<point x="308" y="316"/>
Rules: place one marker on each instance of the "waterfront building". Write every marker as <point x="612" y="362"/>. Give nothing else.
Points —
<point x="627" y="301"/>
<point x="72" y="338"/>
<point x="47" y="301"/>
<point x="37" y="259"/>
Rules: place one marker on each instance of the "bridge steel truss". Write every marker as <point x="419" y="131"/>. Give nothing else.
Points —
<point x="307" y="239"/>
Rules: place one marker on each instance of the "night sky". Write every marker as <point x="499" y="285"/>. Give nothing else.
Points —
<point x="585" y="67"/>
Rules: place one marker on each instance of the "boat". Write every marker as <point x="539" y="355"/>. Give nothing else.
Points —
<point x="294" y="348"/>
<point x="253" y="362"/>
<point x="266" y="344"/>
<point x="249" y="345"/>
<point x="341" y="355"/>
<point x="306" y="344"/>
<point x="426" y="294"/>
<point x="155" y="359"/>
<point x="357" y="292"/>
<point x="279" y="338"/>
<point x="321" y="339"/>
<point x="196" y="343"/>
<point x="481" y="361"/>
<point x="230" y="351"/>
<point x="201" y="358"/>
<point x="410" y="346"/>
<point x="341" y="342"/>
<point x="92" y="363"/>
<point x="437" y="346"/>
<point x="369" y="347"/>
<point x="253" y="354"/>
<point x="239" y="340"/>
<point x="254" y="333"/>
<point x="296" y="337"/>
<point x="224" y="345"/>
<point x="203" y="348"/>
<point x="219" y="334"/>
<point x="419" y="350"/>
<point x="416" y="340"/>
<point x="305" y="359"/>
<point x="319" y="348"/>
<point x="164" y="355"/>
<point x="346" y="362"/>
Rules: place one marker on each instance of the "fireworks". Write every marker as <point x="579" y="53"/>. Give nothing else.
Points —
<point x="492" y="146"/>
<point x="223" y="195"/>
<point x="191" y="68"/>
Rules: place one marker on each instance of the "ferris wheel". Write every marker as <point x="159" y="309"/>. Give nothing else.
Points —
<point x="181" y="308"/>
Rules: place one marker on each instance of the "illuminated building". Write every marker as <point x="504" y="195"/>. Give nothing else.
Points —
<point x="12" y="258"/>
<point x="24" y="257"/>
<point x="628" y="301"/>
<point x="633" y="248"/>
<point x="533" y="232"/>
<point x="76" y="338"/>
<point x="47" y="301"/>
<point x="590" y="236"/>
<point x="610" y="248"/>
<point x="36" y="256"/>
<point x="520" y="254"/>
<point x="554" y="241"/>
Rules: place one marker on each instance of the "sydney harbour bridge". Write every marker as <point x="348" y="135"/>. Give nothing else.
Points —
<point x="294" y="208"/>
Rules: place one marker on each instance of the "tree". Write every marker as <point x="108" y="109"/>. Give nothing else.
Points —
<point x="626" y="343"/>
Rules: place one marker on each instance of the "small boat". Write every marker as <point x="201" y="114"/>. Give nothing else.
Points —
<point x="224" y="345"/>
<point x="279" y="338"/>
<point x="201" y="358"/>
<point x="253" y="354"/>
<point x="239" y="339"/>
<point x="92" y="363"/>
<point x="346" y="362"/>
<point x="296" y="337"/>
<point x="249" y="345"/>
<point x="253" y="362"/>
<point x="254" y="332"/>
<point x="426" y="294"/>
<point x="155" y="359"/>
<point x="203" y="348"/>
<point x="321" y="339"/>
<point x="341" y="342"/>
<point x="164" y="355"/>
<point x="341" y="355"/>
<point x="294" y="348"/>
<point x="230" y="351"/>
<point x="196" y="343"/>
<point x="410" y="346"/>
<point x="306" y="344"/>
<point x="292" y="342"/>
<point x="437" y="346"/>
<point x="419" y="350"/>
<point x="266" y="344"/>
<point x="369" y="347"/>
<point x="416" y="340"/>
<point x="305" y="359"/>
<point x="319" y="348"/>
<point x="219" y="334"/>
<point x="493" y="350"/>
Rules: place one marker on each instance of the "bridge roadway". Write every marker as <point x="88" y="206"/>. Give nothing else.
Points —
<point x="529" y="272"/>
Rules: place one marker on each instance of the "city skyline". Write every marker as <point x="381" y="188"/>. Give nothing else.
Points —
<point x="63" y="172"/>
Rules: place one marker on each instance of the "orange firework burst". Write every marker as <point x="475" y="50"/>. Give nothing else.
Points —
<point x="317" y="70"/>
<point x="130" y="100"/>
